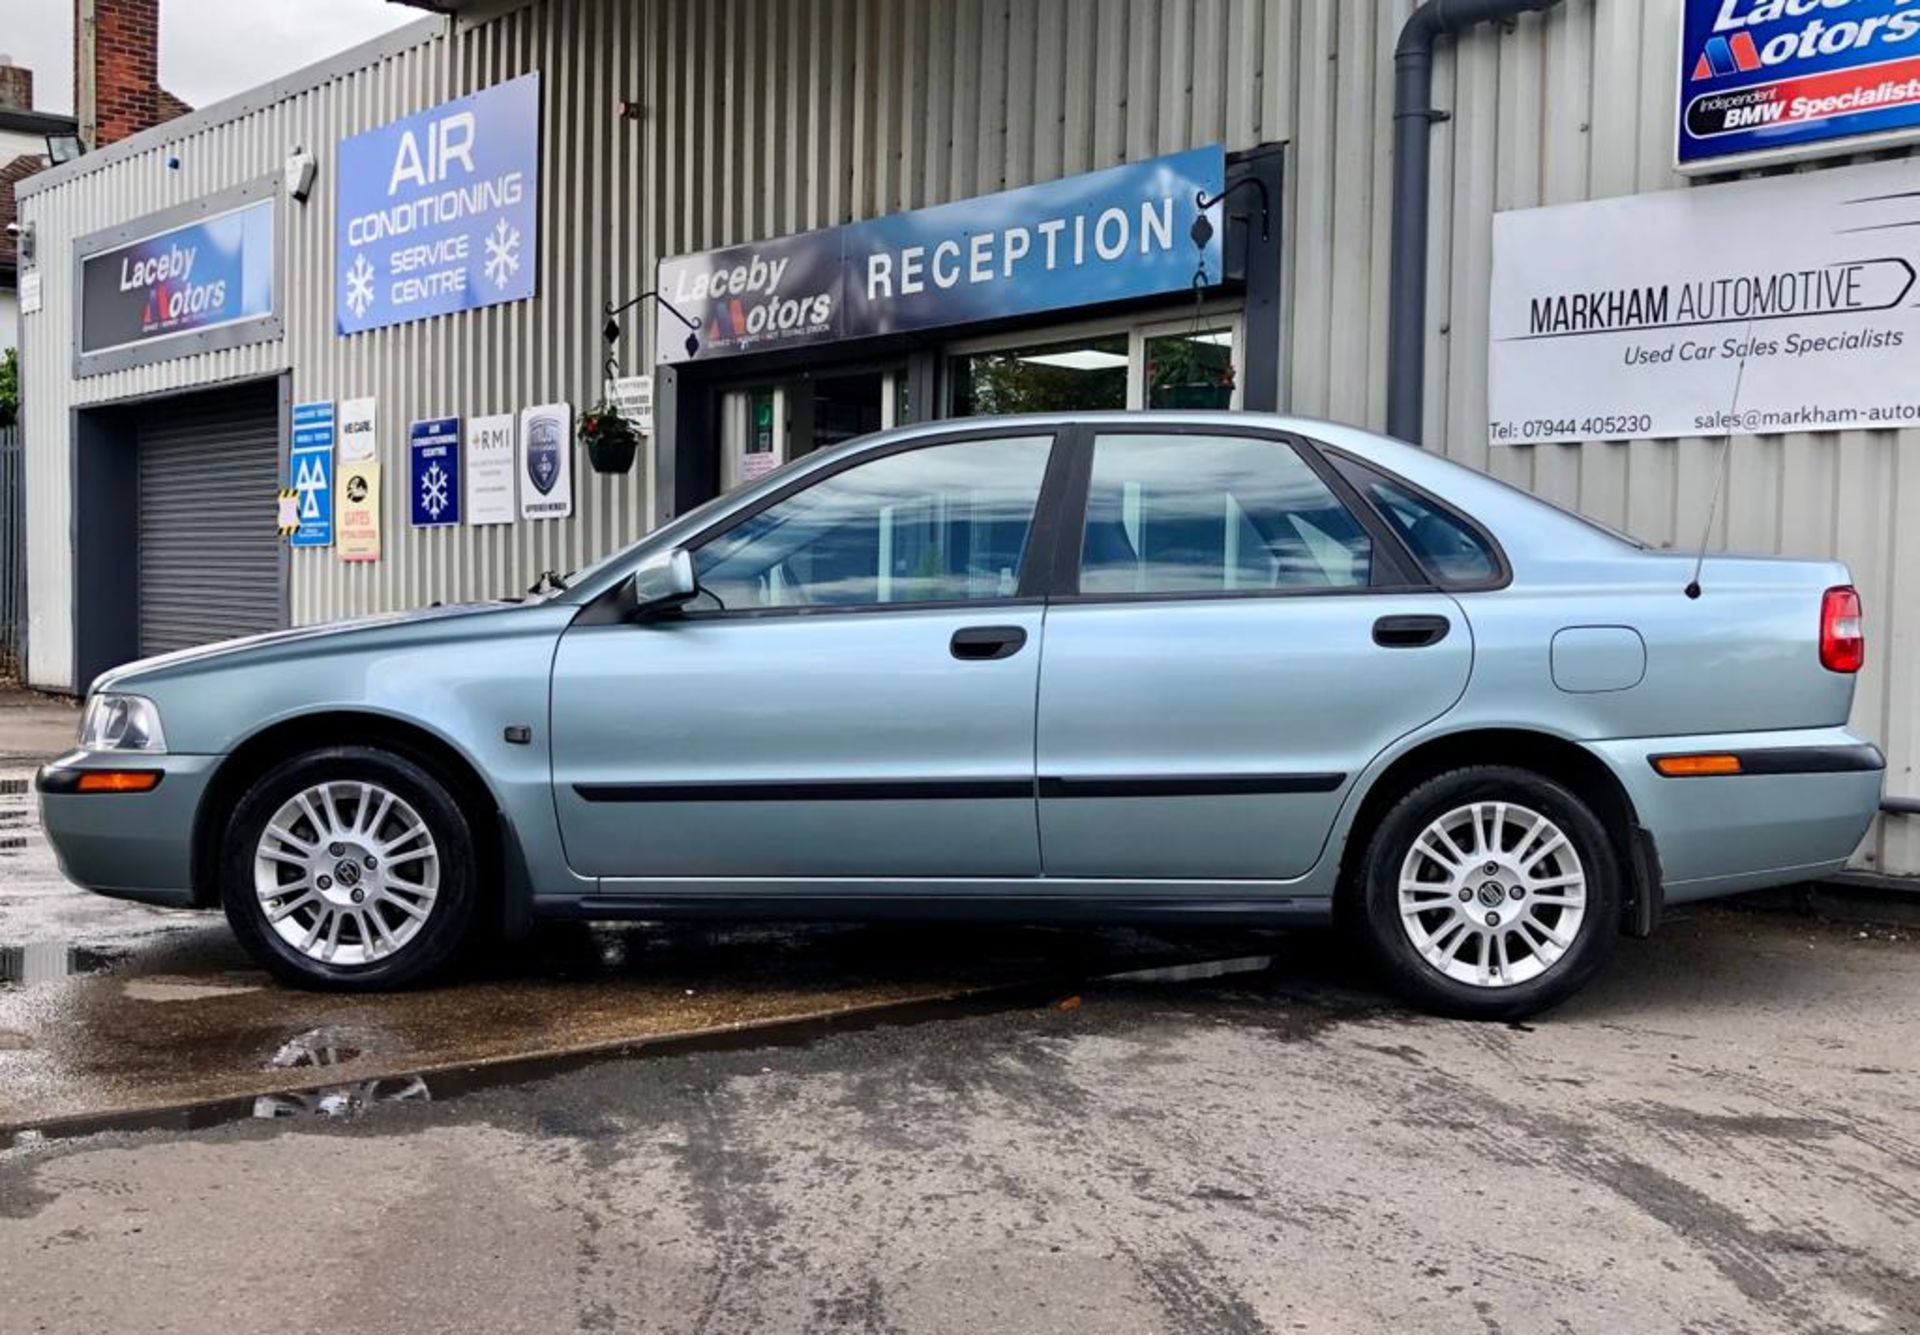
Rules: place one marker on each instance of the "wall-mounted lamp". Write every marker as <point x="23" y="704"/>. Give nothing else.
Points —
<point x="64" y="148"/>
<point x="299" y="171"/>
<point x="611" y="329"/>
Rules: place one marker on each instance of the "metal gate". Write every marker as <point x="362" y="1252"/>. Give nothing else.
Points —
<point x="210" y="553"/>
<point x="13" y="554"/>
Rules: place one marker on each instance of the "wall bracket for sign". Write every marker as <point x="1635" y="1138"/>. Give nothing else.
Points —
<point x="1202" y="229"/>
<point x="611" y="329"/>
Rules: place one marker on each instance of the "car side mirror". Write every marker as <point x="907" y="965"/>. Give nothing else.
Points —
<point x="663" y="582"/>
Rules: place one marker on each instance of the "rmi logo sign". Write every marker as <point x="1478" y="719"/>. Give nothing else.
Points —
<point x="438" y="212"/>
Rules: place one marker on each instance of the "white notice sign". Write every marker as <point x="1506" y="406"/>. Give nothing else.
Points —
<point x="633" y="396"/>
<point x="1640" y="316"/>
<point x="489" y="468"/>
<point x="30" y="292"/>
<point x="546" y="461"/>
<point x="357" y="436"/>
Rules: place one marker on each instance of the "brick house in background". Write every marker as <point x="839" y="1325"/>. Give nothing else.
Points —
<point x="23" y="151"/>
<point x="117" y="92"/>
<point x="116" y="70"/>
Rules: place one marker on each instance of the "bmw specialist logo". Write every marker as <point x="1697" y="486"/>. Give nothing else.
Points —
<point x="544" y="443"/>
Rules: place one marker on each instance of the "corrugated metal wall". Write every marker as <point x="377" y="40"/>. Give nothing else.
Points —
<point x="769" y="116"/>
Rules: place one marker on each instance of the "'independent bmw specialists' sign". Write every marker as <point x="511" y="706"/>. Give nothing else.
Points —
<point x="191" y="279"/>
<point x="1106" y="236"/>
<point x="1783" y="303"/>
<point x="1788" y="78"/>
<point x="437" y="212"/>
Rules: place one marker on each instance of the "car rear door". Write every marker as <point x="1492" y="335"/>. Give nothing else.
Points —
<point x="853" y="694"/>
<point x="1239" y="637"/>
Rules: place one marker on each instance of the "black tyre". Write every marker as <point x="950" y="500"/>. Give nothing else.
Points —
<point x="351" y="869"/>
<point x="1489" y="893"/>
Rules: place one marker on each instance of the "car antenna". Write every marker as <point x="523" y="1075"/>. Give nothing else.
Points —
<point x="1720" y="473"/>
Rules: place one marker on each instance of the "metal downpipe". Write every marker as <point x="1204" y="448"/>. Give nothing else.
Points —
<point x="1413" y="118"/>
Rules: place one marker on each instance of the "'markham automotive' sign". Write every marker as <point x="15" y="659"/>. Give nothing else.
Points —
<point x="1787" y="78"/>
<point x="218" y="271"/>
<point x="1785" y="303"/>
<point x="1105" y="236"/>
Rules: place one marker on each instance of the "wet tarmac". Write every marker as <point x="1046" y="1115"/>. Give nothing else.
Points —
<point x="114" y="1014"/>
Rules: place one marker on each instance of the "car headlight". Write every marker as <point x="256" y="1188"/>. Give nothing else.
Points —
<point x="121" y="723"/>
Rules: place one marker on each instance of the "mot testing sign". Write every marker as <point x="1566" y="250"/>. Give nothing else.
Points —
<point x="1764" y="80"/>
<point x="310" y="468"/>
<point x="438" y="212"/>
<point x="1781" y="303"/>
<point x="1109" y="235"/>
<point x="433" y="472"/>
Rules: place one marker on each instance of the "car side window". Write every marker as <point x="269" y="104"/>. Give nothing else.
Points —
<point x="1441" y="541"/>
<point x="1181" y="514"/>
<point x="945" y="523"/>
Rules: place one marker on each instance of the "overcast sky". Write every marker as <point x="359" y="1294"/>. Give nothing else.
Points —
<point x="209" y="49"/>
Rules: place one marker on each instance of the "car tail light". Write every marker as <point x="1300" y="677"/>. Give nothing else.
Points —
<point x="1843" y="644"/>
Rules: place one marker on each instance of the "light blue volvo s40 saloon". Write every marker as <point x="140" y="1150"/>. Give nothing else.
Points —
<point x="1138" y="667"/>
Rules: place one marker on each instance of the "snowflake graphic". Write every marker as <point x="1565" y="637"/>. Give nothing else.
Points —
<point x="434" y="494"/>
<point x="359" y="286"/>
<point x="503" y="253"/>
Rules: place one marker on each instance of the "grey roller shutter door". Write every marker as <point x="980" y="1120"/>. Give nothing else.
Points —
<point x="210" y="553"/>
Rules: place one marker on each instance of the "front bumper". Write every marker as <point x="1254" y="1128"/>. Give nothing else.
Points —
<point x="1796" y="813"/>
<point x="127" y="845"/>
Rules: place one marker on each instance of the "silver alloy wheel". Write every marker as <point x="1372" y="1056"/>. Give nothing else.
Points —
<point x="346" y="873"/>
<point x="1492" y="894"/>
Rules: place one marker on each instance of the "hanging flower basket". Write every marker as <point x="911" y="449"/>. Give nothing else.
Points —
<point x="1189" y="386"/>
<point x="1196" y="394"/>
<point x="610" y="438"/>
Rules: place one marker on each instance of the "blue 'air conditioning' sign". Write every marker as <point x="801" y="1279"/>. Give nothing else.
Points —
<point x="1106" y="236"/>
<point x="437" y="212"/>
<point x="1787" y="78"/>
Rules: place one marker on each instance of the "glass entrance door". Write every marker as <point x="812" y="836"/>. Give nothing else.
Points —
<point x="753" y="437"/>
<point x="765" y="426"/>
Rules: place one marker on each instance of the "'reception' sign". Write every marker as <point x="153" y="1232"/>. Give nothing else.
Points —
<point x="1109" y="235"/>
<point x="1778" y="304"/>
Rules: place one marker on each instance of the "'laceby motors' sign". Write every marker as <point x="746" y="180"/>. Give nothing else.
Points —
<point x="438" y="212"/>
<point x="185" y="280"/>
<point x="1111" y="235"/>
<point x="1770" y="79"/>
<point x="1780" y="304"/>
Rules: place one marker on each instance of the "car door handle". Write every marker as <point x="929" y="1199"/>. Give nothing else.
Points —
<point x="982" y="644"/>
<point x="1410" y="632"/>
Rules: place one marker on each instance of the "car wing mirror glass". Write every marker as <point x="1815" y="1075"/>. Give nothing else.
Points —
<point x="663" y="582"/>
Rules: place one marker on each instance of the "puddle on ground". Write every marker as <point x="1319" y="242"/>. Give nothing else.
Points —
<point x="1198" y="971"/>
<point x="182" y="989"/>
<point x="343" y="1102"/>
<point x="49" y="961"/>
<point x="316" y="1047"/>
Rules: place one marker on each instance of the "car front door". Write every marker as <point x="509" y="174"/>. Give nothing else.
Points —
<point x="1240" y="641"/>
<point x="851" y="695"/>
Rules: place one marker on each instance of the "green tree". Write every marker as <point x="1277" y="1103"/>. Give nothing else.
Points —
<point x="9" y="389"/>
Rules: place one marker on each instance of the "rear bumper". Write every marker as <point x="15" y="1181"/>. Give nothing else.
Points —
<point x="127" y="845"/>
<point x="1797" y="810"/>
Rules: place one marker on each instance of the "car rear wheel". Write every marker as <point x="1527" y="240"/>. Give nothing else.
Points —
<point x="1490" y="892"/>
<point x="350" y="868"/>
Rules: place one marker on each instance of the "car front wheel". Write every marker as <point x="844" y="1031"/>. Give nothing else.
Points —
<point x="350" y="868"/>
<point x="1491" y="893"/>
